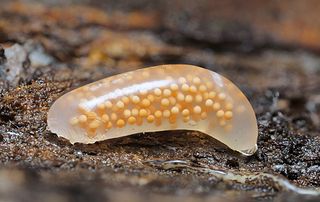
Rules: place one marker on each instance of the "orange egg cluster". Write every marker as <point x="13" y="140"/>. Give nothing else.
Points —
<point x="159" y="98"/>
<point x="184" y="99"/>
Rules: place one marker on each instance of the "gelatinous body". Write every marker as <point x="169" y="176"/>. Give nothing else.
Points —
<point x="166" y="97"/>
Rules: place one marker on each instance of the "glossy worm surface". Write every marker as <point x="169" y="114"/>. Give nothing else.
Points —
<point x="166" y="97"/>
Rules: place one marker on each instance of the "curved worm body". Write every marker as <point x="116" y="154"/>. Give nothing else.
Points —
<point x="166" y="97"/>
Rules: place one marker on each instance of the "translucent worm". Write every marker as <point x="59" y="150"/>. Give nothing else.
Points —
<point x="166" y="97"/>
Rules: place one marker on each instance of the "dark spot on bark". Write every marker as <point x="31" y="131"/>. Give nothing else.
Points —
<point x="232" y="163"/>
<point x="2" y="56"/>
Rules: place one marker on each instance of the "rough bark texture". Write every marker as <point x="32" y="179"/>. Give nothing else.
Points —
<point x="269" y="49"/>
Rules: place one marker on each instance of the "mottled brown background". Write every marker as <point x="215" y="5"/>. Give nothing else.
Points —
<point x="270" y="49"/>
